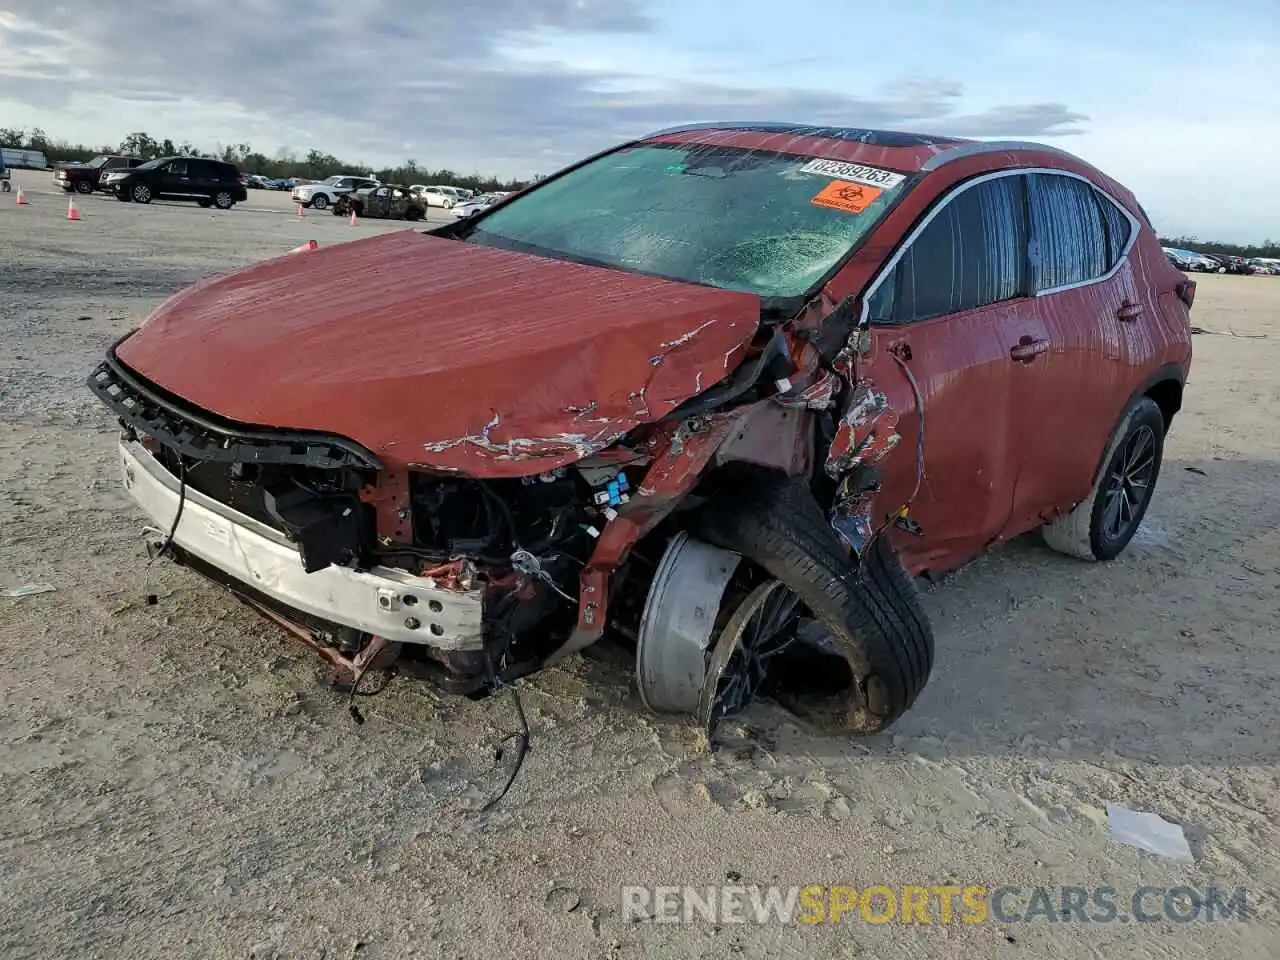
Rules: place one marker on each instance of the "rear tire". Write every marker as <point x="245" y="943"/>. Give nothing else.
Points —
<point x="875" y="622"/>
<point x="223" y="200"/>
<point x="1087" y="531"/>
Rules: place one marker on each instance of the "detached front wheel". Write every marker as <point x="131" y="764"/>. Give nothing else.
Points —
<point x="842" y="642"/>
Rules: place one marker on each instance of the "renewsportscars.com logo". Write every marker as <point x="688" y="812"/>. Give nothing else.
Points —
<point x="933" y="904"/>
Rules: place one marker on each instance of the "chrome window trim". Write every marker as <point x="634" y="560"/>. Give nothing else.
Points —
<point x="889" y="265"/>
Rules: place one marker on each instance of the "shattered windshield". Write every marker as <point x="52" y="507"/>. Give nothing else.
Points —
<point x="761" y="222"/>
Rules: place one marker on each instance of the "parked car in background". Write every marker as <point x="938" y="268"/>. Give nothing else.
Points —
<point x="683" y="382"/>
<point x="208" y="182"/>
<point x="4" y="177"/>
<point x="386" y="201"/>
<point x="1237" y="265"/>
<point x="442" y="196"/>
<point x="256" y="181"/>
<point x="1178" y="258"/>
<point x="324" y="194"/>
<point x="473" y="206"/>
<point x="1195" y="262"/>
<point x="88" y="177"/>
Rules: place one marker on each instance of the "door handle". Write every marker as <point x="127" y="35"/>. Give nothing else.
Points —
<point x="1027" y="349"/>
<point x="1129" y="311"/>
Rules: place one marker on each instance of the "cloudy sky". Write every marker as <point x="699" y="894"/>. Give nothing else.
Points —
<point x="1179" y="99"/>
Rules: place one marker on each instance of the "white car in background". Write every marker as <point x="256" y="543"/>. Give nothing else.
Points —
<point x="441" y="196"/>
<point x="476" y="204"/>
<point x="324" y="194"/>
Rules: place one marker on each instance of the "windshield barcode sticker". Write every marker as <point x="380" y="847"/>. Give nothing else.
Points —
<point x="854" y="172"/>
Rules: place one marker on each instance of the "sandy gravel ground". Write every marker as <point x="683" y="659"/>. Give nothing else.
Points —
<point x="176" y="782"/>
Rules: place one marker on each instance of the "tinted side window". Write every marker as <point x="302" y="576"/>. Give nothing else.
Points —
<point x="1068" y="239"/>
<point x="179" y="168"/>
<point x="971" y="254"/>
<point x="1118" y="228"/>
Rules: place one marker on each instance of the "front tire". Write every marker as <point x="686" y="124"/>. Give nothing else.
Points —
<point x="1101" y="526"/>
<point x="877" y="646"/>
<point x="141" y="193"/>
<point x="84" y="186"/>
<point x="319" y="202"/>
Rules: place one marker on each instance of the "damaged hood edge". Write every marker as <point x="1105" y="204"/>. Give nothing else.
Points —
<point x="444" y="355"/>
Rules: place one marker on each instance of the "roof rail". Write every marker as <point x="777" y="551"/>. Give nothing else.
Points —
<point x="990" y="146"/>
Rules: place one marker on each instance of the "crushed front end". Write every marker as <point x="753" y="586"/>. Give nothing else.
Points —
<point x="458" y="580"/>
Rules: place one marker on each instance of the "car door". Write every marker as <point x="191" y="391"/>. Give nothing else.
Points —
<point x="945" y="312"/>
<point x="1088" y="301"/>
<point x="947" y="309"/>
<point x="173" y="179"/>
<point x="379" y="200"/>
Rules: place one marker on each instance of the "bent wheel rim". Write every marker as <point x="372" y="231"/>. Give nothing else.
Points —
<point x="1128" y="485"/>
<point x="761" y="628"/>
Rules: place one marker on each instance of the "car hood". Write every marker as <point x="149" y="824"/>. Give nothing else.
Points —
<point x="442" y="354"/>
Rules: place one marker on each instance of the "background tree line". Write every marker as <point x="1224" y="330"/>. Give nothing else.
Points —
<point x="314" y="165"/>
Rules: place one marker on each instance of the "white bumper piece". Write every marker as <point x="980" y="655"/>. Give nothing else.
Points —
<point x="383" y="601"/>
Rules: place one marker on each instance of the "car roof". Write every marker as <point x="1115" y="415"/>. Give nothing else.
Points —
<point x="900" y="150"/>
<point x="905" y="152"/>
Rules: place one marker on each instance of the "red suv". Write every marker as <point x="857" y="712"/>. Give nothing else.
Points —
<point x="715" y="394"/>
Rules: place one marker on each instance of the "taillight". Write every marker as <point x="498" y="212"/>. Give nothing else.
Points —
<point x="1186" y="291"/>
<point x="243" y="181"/>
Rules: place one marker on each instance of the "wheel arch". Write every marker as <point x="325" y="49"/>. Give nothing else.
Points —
<point x="1164" y="387"/>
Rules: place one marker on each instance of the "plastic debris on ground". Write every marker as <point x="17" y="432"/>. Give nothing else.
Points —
<point x="1147" y="831"/>
<point x="29" y="590"/>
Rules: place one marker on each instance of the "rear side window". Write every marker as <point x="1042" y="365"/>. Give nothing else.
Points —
<point x="972" y="253"/>
<point x="1068" y="232"/>
<point x="1118" y="227"/>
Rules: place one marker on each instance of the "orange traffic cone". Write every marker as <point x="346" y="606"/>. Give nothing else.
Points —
<point x="353" y="216"/>
<point x="22" y="196"/>
<point x="72" y="212"/>
<point x="309" y="245"/>
<point x="301" y="212"/>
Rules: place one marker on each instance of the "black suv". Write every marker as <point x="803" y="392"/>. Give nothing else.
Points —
<point x="208" y="182"/>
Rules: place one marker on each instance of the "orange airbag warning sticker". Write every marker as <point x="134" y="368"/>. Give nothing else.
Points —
<point x="846" y="196"/>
